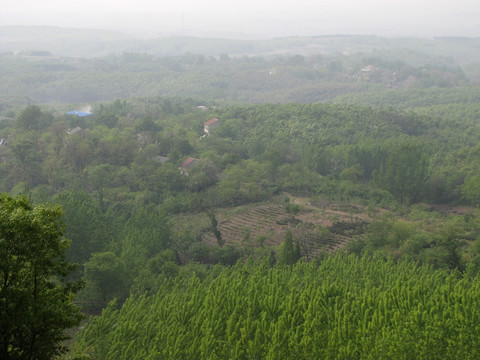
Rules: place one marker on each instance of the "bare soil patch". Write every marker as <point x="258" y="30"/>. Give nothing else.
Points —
<point x="319" y="226"/>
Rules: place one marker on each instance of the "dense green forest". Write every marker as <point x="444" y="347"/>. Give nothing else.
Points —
<point x="125" y="199"/>
<point x="331" y="212"/>
<point x="342" y="307"/>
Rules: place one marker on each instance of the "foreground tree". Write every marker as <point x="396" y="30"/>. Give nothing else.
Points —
<point x="35" y="303"/>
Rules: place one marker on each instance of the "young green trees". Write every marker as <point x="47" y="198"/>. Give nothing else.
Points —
<point x="342" y="307"/>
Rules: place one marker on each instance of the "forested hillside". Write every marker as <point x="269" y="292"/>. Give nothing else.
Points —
<point x="127" y="203"/>
<point x="221" y="71"/>
<point x="265" y="205"/>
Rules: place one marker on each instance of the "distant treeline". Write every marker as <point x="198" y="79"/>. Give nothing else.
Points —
<point x="32" y="78"/>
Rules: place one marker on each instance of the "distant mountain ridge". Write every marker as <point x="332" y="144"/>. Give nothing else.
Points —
<point x="91" y="43"/>
<point x="58" y="41"/>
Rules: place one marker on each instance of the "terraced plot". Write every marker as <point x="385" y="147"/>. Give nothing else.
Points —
<point x="272" y="221"/>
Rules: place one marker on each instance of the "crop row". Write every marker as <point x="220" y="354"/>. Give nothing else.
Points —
<point x="272" y="220"/>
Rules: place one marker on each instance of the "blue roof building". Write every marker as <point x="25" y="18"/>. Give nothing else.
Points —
<point x="79" y="113"/>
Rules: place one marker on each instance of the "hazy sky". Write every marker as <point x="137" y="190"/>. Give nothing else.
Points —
<point x="423" y="18"/>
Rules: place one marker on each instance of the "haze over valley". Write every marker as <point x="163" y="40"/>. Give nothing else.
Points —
<point x="239" y="179"/>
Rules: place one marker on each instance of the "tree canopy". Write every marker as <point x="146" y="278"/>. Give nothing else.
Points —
<point x="343" y="307"/>
<point x="35" y="303"/>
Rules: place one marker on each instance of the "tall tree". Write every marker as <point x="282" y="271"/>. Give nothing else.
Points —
<point x="29" y="119"/>
<point x="214" y="227"/>
<point x="35" y="303"/>
<point x="87" y="226"/>
<point x="290" y="252"/>
<point x="97" y="178"/>
<point x="104" y="274"/>
<point x="404" y="172"/>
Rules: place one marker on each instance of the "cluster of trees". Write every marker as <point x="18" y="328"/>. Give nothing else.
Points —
<point x="453" y="246"/>
<point x="122" y="192"/>
<point x="257" y="150"/>
<point x="335" y="306"/>
<point x="119" y="199"/>
<point x="341" y="307"/>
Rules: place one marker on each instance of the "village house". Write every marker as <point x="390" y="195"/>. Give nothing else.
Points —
<point x="76" y="131"/>
<point x="186" y="165"/>
<point x="368" y="68"/>
<point x="368" y="72"/>
<point x="210" y="125"/>
<point x="161" y="159"/>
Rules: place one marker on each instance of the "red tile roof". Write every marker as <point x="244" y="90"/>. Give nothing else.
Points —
<point x="189" y="162"/>
<point x="211" y="121"/>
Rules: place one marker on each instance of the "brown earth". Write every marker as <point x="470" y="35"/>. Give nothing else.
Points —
<point x="318" y="225"/>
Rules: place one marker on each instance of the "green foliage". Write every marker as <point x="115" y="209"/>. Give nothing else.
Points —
<point x="344" y="307"/>
<point x="471" y="189"/>
<point x="105" y="275"/>
<point x="33" y="118"/>
<point x="131" y="187"/>
<point x="450" y="243"/>
<point x="156" y="272"/>
<point x="290" y="251"/>
<point x="87" y="227"/>
<point x="444" y="248"/>
<point x="261" y="150"/>
<point x="404" y="171"/>
<point x="202" y="175"/>
<point x="98" y="178"/>
<point x="24" y="147"/>
<point x="291" y="208"/>
<point x="108" y="120"/>
<point x="146" y="234"/>
<point x="202" y="72"/>
<point x="214" y="226"/>
<point x="128" y="192"/>
<point x="35" y="303"/>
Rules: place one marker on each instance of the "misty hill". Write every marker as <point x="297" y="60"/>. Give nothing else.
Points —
<point x="58" y="41"/>
<point x="39" y="77"/>
<point x="94" y="43"/>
